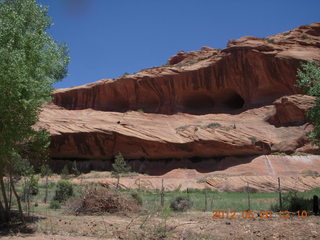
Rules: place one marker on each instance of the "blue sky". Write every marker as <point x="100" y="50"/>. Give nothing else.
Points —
<point x="107" y="38"/>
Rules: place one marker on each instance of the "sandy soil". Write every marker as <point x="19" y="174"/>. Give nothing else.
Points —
<point x="191" y="225"/>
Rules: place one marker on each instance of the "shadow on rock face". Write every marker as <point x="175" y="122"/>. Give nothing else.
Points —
<point x="223" y="101"/>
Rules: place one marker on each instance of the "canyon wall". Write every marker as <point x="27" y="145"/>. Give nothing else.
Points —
<point x="238" y="101"/>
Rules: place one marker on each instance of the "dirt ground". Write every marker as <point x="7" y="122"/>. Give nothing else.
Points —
<point x="192" y="225"/>
<point x="189" y="226"/>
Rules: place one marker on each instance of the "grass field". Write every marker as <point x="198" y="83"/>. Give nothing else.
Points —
<point x="203" y="200"/>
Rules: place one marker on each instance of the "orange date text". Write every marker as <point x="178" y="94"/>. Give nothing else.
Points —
<point x="230" y="214"/>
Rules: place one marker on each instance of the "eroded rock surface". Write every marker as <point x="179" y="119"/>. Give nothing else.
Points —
<point x="249" y="71"/>
<point x="241" y="100"/>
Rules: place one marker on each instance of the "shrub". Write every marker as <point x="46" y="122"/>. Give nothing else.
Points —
<point x="34" y="185"/>
<point x="30" y="188"/>
<point x="293" y="202"/>
<point x="279" y="154"/>
<point x="75" y="169"/>
<point x="270" y="40"/>
<point x="181" y="204"/>
<point x="213" y="125"/>
<point x="54" y="204"/>
<point x="310" y="173"/>
<point x="305" y="36"/>
<point x="124" y="75"/>
<point x="64" y="190"/>
<point x="137" y="198"/>
<point x="181" y="128"/>
<point x="65" y="171"/>
<point x="253" y="140"/>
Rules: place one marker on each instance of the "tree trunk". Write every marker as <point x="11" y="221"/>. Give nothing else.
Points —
<point x="10" y="194"/>
<point x="2" y="216"/>
<point x="4" y="197"/>
<point x="118" y="181"/>
<point x="17" y="197"/>
<point x="28" y="198"/>
<point x="46" y="193"/>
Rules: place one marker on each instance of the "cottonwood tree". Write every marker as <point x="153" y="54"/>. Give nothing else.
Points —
<point x="309" y="80"/>
<point x="30" y="62"/>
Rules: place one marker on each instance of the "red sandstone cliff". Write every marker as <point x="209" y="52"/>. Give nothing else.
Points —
<point x="250" y="69"/>
<point x="202" y="104"/>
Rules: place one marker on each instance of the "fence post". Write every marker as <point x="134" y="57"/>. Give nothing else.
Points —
<point x="212" y="195"/>
<point x="249" y="207"/>
<point x="315" y="204"/>
<point x="205" y="200"/>
<point x="162" y="195"/>
<point x="118" y="182"/>
<point x="279" y="190"/>
<point x="139" y="184"/>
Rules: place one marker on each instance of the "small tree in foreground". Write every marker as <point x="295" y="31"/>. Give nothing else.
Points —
<point x="309" y="80"/>
<point x="46" y="172"/>
<point x="119" y="167"/>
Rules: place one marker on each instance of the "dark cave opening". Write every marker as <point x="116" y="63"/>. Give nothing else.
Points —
<point x="223" y="101"/>
<point x="198" y="103"/>
<point x="233" y="100"/>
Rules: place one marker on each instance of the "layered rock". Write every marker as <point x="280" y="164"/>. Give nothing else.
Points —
<point x="291" y="110"/>
<point x="248" y="72"/>
<point x="205" y="103"/>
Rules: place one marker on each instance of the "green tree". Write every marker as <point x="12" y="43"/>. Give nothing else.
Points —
<point x="30" y="62"/>
<point x="309" y="80"/>
<point x="119" y="167"/>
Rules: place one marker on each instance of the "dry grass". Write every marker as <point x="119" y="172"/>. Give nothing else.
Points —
<point x="96" y="199"/>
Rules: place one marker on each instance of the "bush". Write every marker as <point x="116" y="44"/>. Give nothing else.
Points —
<point x="181" y="204"/>
<point x="75" y="169"/>
<point x="213" y="125"/>
<point x="65" y="171"/>
<point x="253" y="140"/>
<point x="30" y="188"/>
<point x="270" y="40"/>
<point x="278" y="154"/>
<point x="137" y="198"/>
<point x="34" y="185"/>
<point x="64" y="190"/>
<point x="54" y="204"/>
<point x="310" y="173"/>
<point x="293" y="202"/>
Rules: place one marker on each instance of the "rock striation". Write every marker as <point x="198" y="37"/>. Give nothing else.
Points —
<point x="241" y="100"/>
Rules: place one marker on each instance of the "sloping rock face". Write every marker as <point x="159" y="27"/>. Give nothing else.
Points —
<point x="203" y="103"/>
<point x="249" y="71"/>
